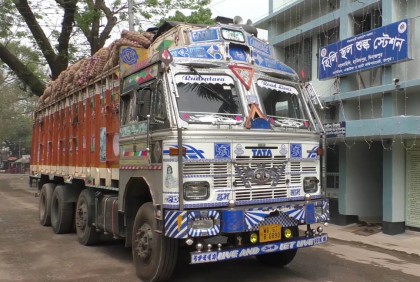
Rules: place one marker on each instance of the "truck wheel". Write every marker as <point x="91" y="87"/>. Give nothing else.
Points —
<point x="85" y="215"/>
<point x="154" y="255"/>
<point x="45" y="204"/>
<point x="62" y="212"/>
<point x="278" y="259"/>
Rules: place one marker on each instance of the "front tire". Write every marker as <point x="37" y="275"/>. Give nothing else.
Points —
<point x="154" y="255"/>
<point x="45" y="204"/>
<point x="279" y="259"/>
<point x="62" y="212"/>
<point x="85" y="217"/>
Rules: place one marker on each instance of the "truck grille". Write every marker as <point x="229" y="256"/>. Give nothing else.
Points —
<point x="242" y="176"/>
<point x="260" y="178"/>
<point x="220" y="172"/>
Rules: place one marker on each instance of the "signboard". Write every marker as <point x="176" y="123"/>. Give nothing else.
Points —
<point x="335" y="129"/>
<point x="260" y="45"/>
<point x="381" y="46"/>
<point x="204" y="35"/>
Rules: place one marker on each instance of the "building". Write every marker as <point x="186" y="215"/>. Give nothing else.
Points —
<point x="374" y="161"/>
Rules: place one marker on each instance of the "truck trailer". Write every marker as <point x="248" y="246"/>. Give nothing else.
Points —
<point x="191" y="137"/>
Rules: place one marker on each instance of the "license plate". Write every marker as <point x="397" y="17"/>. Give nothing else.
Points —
<point x="270" y="233"/>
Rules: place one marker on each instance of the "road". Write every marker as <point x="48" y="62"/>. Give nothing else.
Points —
<point x="31" y="252"/>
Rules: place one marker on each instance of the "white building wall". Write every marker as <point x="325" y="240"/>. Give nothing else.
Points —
<point x="409" y="70"/>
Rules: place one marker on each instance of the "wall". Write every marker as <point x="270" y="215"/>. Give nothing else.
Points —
<point x="361" y="191"/>
<point x="409" y="70"/>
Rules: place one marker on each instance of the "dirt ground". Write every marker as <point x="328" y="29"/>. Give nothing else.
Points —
<point x="31" y="252"/>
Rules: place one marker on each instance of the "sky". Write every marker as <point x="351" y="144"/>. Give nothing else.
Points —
<point x="246" y="9"/>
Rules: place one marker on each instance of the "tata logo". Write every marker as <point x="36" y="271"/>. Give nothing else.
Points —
<point x="261" y="153"/>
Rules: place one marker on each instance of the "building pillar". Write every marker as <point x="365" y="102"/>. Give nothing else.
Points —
<point x="343" y="218"/>
<point x="394" y="190"/>
<point x="394" y="158"/>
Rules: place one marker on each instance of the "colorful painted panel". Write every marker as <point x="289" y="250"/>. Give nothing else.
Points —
<point x="140" y="77"/>
<point x="237" y="54"/>
<point x="133" y="129"/>
<point x="265" y="61"/>
<point x="259" y="45"/>
<point x="132" y="59"/>
<point x="134" y="155"/>
<point x="210" y="52"/>
<point x="176" y="224"/>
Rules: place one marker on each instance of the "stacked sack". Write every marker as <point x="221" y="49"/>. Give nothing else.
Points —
<point x="86" y="70"/>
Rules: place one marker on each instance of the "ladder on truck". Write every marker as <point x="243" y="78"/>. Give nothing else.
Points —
<point x="312" y="99"/>
<point x="314" y="102"/>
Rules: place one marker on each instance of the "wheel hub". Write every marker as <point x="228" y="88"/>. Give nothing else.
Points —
<point x="144" y="239"/>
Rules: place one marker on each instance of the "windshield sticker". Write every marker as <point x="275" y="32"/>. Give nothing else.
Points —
<point x="213" y="79"/>
<point x="222" y="151"/>
<point x="277" y="86"/>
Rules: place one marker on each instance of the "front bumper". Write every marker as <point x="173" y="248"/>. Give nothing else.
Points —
<point x="179" y="224"/>
<point x="261" y="249"/>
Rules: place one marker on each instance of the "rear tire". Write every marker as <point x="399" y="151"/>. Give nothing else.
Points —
<point x="62" y="212"/>
<point x="154" y="255"/>
<point x="279" y="259"/>
<point x="85" y="217"/>
<point x="45" y="204"/>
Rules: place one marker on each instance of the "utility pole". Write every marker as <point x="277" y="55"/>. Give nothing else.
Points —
<point x="130" y="16"/>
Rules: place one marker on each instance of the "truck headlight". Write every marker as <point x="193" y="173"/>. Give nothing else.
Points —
<point x="310" y="184"/>
<point x="196" y="190"/>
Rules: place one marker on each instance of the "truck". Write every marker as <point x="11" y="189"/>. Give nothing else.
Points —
<point x="198" y="140"/>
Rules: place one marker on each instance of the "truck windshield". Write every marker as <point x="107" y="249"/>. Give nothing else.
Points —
<point x="281" y="103"/>
<point x="208" y="99"/>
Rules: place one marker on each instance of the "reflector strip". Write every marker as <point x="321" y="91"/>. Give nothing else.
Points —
<point x="244" y="74"/>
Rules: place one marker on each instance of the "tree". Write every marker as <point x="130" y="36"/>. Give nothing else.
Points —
<point x="201" y="16"/>
<point x="82" y="23"/>
<point x="16" y="107"/>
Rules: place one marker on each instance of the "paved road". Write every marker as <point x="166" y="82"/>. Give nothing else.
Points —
<point x="30" y="252"/>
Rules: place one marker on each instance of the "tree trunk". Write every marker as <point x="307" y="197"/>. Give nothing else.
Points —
<point x="23" y="73"/>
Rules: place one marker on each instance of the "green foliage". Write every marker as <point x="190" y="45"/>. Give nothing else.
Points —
<point x="86" y="18"/>
<point x="60" y="42"/>
<point x="158" y="10"/>
<point x="201" y="16"/>
<point x="16" y="107"/>
<point x="7" y="18"/>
